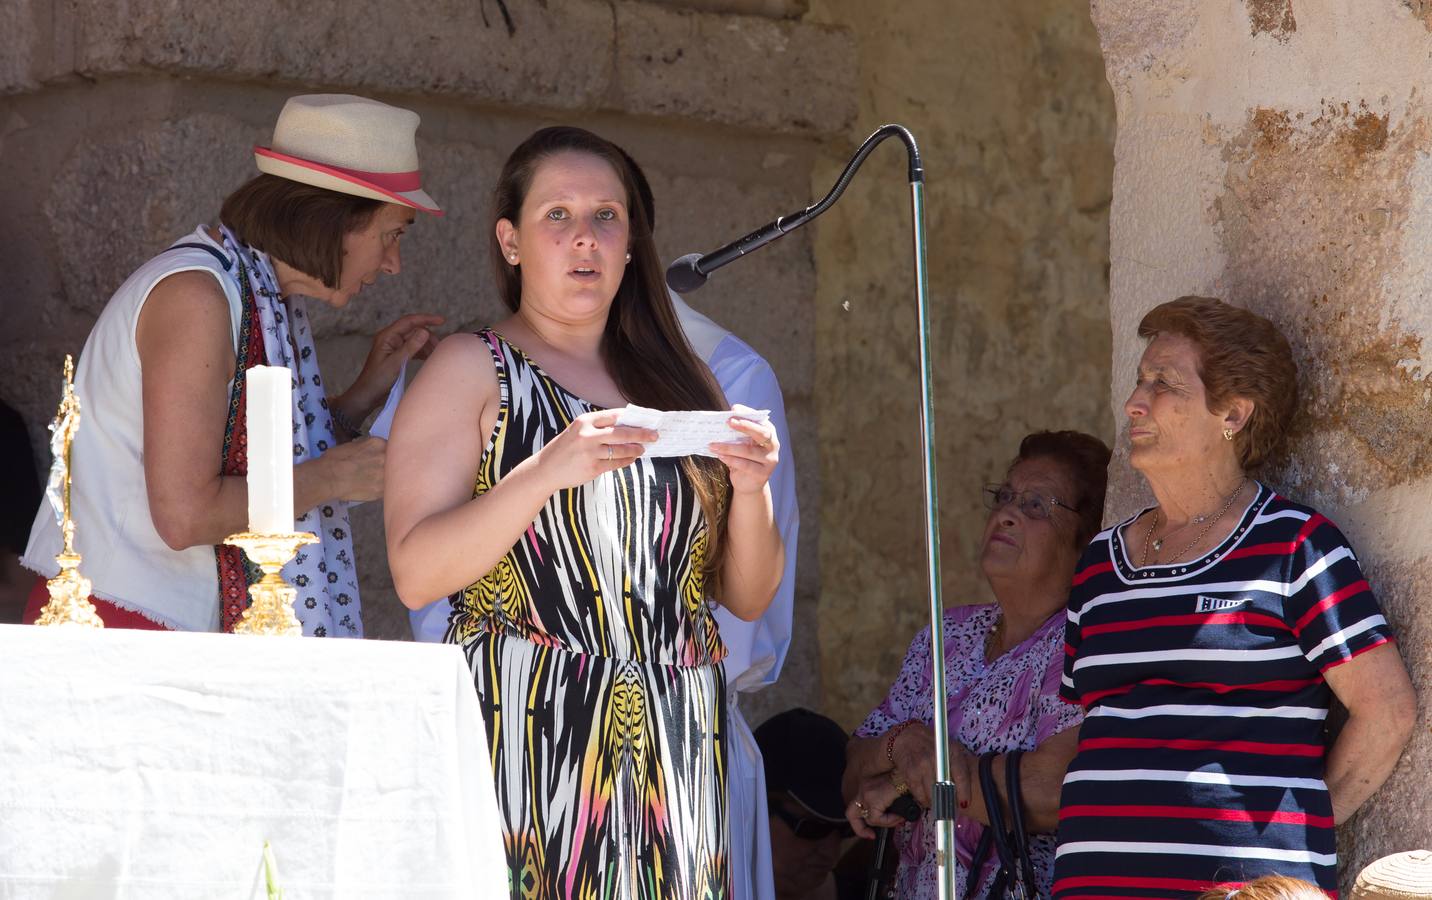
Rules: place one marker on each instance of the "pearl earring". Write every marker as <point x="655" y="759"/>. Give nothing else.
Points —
<point x="628" y="257"/>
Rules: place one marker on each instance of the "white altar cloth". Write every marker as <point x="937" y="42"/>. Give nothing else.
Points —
<point x="141" y="764"/>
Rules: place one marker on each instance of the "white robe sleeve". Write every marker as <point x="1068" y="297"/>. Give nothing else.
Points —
<point x="756" y="650"/>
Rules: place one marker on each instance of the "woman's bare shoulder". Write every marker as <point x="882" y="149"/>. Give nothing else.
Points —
<point x="187" y="313"/>
<point x="461" y="364"/>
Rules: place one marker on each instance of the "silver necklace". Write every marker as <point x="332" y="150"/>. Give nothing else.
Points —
<point x="1158" y="544"/>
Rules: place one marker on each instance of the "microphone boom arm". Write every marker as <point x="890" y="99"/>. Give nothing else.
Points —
<point x="690" y="272"/>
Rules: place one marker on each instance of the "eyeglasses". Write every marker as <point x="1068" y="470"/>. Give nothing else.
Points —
<point x="810" y="829"/>
<point x="1034" y="506"/>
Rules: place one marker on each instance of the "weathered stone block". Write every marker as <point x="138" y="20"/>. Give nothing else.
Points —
<point x="767" y="299"/>
<point x="122" y="196"/>
<point x="20" y="44"/>
<point x="36" y="44"/>
<point x="1135" y="36"/>
<point x="776" y="9"/>
<point x="554" y="55"/>
<point x="581" y="54"/>
<point x="735" y="70"/>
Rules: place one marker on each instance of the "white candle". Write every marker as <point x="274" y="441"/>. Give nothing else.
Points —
<point x="269" y="419"/>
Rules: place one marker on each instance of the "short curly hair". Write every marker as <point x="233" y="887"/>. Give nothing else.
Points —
<point x="1241" y="354"/>
<point x="1268" y="887"/>
<point x="1086" y="459"/>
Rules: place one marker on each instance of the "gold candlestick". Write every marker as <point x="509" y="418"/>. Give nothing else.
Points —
<point x="271" y="611"/>
<point x="69" y="591"/>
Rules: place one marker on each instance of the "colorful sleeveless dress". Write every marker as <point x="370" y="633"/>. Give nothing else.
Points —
<point x="596" y="661"/>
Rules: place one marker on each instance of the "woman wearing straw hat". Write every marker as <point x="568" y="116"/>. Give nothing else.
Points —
<point x="159" y="465"/>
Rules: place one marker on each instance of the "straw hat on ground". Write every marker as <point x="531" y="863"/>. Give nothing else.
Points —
<point x="1405" y="876"/>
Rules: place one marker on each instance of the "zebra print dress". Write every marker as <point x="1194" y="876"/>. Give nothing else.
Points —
<point x="596" y="662"/>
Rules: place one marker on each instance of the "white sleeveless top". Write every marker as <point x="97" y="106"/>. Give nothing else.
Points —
<point x="123" y="556"/>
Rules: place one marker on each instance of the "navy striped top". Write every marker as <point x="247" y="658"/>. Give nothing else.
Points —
<point x="1201" y="756"/>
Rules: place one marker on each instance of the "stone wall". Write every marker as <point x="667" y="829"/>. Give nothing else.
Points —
<point x="1015" y="121"/>
<point x="122" y="129"/>
<point x="1279" y="155"/>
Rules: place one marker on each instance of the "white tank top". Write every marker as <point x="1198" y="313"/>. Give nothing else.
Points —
<point x="123" y="556"/>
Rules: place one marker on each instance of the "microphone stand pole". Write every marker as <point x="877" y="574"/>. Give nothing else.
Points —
<point x="690" y="272"/>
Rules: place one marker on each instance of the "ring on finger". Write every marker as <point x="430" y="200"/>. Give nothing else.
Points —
<point x="901" y="788"/>
<point x="609" y="452"/>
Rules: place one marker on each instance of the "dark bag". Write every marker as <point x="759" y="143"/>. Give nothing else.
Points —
<point x="1015" y="878"/>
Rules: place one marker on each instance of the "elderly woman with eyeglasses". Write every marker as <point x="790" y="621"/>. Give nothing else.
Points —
<point x="1003" y="663"/>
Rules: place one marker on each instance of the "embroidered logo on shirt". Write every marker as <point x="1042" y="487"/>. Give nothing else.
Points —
<point x="1219" y="604"/>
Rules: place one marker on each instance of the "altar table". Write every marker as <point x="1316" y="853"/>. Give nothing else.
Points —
<point x="140" y="764"/>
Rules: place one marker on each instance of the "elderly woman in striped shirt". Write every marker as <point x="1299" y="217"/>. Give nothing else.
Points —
<point x="1207" y="636"/>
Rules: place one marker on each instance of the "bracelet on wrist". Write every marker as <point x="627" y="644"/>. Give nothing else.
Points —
<point x="890" y="739"/>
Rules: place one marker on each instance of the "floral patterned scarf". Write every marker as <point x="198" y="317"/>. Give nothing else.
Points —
<point x="278" y="334"/>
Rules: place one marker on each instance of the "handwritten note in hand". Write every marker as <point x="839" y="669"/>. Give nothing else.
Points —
<point x="687" y="433"/>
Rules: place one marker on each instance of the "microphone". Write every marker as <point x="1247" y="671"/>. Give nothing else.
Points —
<point x="683" y="276"/>
<point x="690" y="271"/>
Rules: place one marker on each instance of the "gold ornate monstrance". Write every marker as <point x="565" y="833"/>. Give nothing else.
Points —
<point x="69" y="591"/>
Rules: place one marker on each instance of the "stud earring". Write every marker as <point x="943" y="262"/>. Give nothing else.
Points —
<point x="1228" y="434"/>
<point x="628" y="257"/>
<point x="512" y="258"/>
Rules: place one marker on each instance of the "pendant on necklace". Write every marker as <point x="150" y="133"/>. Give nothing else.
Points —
<point x="1158" y="545"/>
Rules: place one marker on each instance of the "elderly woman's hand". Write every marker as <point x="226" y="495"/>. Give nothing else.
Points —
<point x="869" y="809"/>
<point x="914" y="756"/>
<point x="913" y="753"/>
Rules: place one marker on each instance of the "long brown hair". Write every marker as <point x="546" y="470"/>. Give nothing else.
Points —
<point x="644" y="346"/>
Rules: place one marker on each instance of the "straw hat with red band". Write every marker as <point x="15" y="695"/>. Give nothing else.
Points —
<point x="351" y="145"/>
